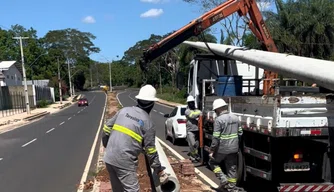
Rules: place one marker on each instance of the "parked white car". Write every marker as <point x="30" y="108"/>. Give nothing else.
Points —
<point x="175" y="125"/>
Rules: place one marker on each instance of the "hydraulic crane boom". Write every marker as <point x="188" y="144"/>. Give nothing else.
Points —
<point x="195" y="27"/>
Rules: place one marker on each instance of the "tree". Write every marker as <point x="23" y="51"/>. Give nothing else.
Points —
<point x="234" y="26"/>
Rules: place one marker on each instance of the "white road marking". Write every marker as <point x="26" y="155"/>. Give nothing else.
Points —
<point x="1" y="159"/>
<point x="92" y="100"/>
<point x="62" y="123"/>
<point x="29" y="142"/>
<point x="91" y="154"/>
<point x="154" y="110"/>
<point x="79" y="111"/>
<point x="69" y="118"/>
<point x="50" y="130"/>
<point x="200" y="173"/>
<point x="74" y="115"/>
<point x="131" y="97"/>
<point x="161" y="113"/>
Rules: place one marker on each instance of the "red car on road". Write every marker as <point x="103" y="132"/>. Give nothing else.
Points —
<point x="83" y="102"/>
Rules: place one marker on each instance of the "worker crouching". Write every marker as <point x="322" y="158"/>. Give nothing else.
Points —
<point x="127" y="134"/>
<point x="225" y="146"/>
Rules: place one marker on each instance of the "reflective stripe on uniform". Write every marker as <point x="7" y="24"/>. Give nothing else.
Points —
<point x="225" y="137"/>
<point x="127" y="131"/>
<point x="194" y="113"/>
<point x="106" y="129"/>
<point x="217" y="170"/>
<point x="151" y="150"/>
<point x="232" y="180"/>
<point x="240" y="129"/>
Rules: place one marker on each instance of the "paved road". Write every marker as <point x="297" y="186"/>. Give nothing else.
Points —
<point x="127" y="98"/>
<point x="50" y="154"/>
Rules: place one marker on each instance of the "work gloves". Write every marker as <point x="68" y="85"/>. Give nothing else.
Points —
<point x="163" y="177"/>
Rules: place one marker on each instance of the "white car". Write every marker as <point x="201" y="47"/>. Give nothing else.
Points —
<point x="175" y="125"/>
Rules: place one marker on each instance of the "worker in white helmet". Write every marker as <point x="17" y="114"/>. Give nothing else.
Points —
<point x="128" y="133"/>
<point x="225" y="145"/>
<point x="192" y="114"/>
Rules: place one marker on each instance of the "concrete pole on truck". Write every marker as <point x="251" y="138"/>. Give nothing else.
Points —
<point x="59" y="83"/>
<point x="24" y="74"/>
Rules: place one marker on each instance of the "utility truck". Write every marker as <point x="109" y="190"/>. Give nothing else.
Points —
<point x="285" y="136"/>
<point x="288" y="130"/>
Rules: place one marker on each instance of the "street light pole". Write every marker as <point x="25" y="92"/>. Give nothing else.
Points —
<point x="59" y="83"/>
<point x="24" y="74"/>
<point x="69" y="77"/>
<point x="110" y="77"/>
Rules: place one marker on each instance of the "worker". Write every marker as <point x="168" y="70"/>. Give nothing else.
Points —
<point x="130" y="132"/>
<point x="225" y="145"/>
<point x="192" y="114"/>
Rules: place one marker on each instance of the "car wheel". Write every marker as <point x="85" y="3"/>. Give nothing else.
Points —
<point x="166" y="134"/>
<point x="173" y="137"/>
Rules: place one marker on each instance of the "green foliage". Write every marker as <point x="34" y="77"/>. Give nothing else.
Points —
<point x="42" y="55"/>
<point x="43" y="103"/>
<point x="173" y="95"/>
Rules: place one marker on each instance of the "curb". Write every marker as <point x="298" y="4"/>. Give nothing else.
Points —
<point x="36" y="116"/>
<point x="65" y="105"/>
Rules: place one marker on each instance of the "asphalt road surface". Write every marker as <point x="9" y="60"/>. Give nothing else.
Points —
<point x="50" y="154"/>
<point x="127" y="98"/>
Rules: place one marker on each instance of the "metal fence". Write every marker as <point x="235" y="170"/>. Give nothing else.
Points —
<point x="12" y="103"/>
<point x="43" y="93"/>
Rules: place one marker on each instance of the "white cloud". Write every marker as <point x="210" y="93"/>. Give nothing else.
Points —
<point x="89" y="19"/>
<point x="152" y="13"/>
<point x="263" y="5"/>
<point x="150" y="1"/>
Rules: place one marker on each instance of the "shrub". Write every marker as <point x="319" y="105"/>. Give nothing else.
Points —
<point x="43" y="103"/>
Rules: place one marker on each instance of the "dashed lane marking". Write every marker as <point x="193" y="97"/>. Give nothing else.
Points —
<point x="62" y="123"/>
<point x="50" y="130"/>
<point x="69" y="118"/>
<point x="29" y="142"/>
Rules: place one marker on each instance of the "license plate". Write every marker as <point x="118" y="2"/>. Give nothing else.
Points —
<point x="294" y="167"/>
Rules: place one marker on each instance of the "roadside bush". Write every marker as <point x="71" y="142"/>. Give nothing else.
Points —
<point x="173" y="95"/>
<point x="42" y="103"/>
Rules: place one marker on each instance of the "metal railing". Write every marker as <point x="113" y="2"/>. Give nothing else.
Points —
<point x="13" y="103"/>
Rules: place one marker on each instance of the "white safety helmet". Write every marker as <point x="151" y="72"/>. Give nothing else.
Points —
<point x="147" y="93"/>
<point x="190" y="98"/>
<point x="218" y="103"/>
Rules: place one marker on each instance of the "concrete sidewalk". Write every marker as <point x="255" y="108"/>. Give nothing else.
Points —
<point x="14" y="121"/>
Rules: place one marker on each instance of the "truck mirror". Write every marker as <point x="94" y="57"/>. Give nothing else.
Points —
<point x="180" y="81"/>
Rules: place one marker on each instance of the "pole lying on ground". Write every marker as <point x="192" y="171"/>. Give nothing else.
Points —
<point x="172" y="184"/>
<point x="302" y="68"/>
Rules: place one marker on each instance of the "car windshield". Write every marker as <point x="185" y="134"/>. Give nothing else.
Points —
<point x="183" y="110"/>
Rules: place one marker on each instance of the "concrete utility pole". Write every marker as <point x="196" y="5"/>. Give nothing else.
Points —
<point x="24" y="74"/>
<point x="110" y="77"/>
<point x="91" y="76"/>
<point x="69" y="76"/>
<point x="59" y="83"/>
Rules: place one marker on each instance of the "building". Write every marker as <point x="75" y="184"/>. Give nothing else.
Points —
<point x="10" y="73"/>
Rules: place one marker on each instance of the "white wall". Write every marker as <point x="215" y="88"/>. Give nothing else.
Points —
<point x="13" y="76"/>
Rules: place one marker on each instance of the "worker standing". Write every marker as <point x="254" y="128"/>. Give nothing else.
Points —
<point x="225" y="145"/>
<point x="192" y="114"/>
<point x="127" y="134"/>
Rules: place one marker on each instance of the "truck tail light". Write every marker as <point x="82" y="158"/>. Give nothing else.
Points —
<point x="298" y="157"/>
<point x="181" y="121"/>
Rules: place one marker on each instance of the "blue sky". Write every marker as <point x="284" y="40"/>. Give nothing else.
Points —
<point x="117" y="24"/>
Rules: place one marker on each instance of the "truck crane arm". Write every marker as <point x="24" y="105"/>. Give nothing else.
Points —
<point x="195" y="27"/>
